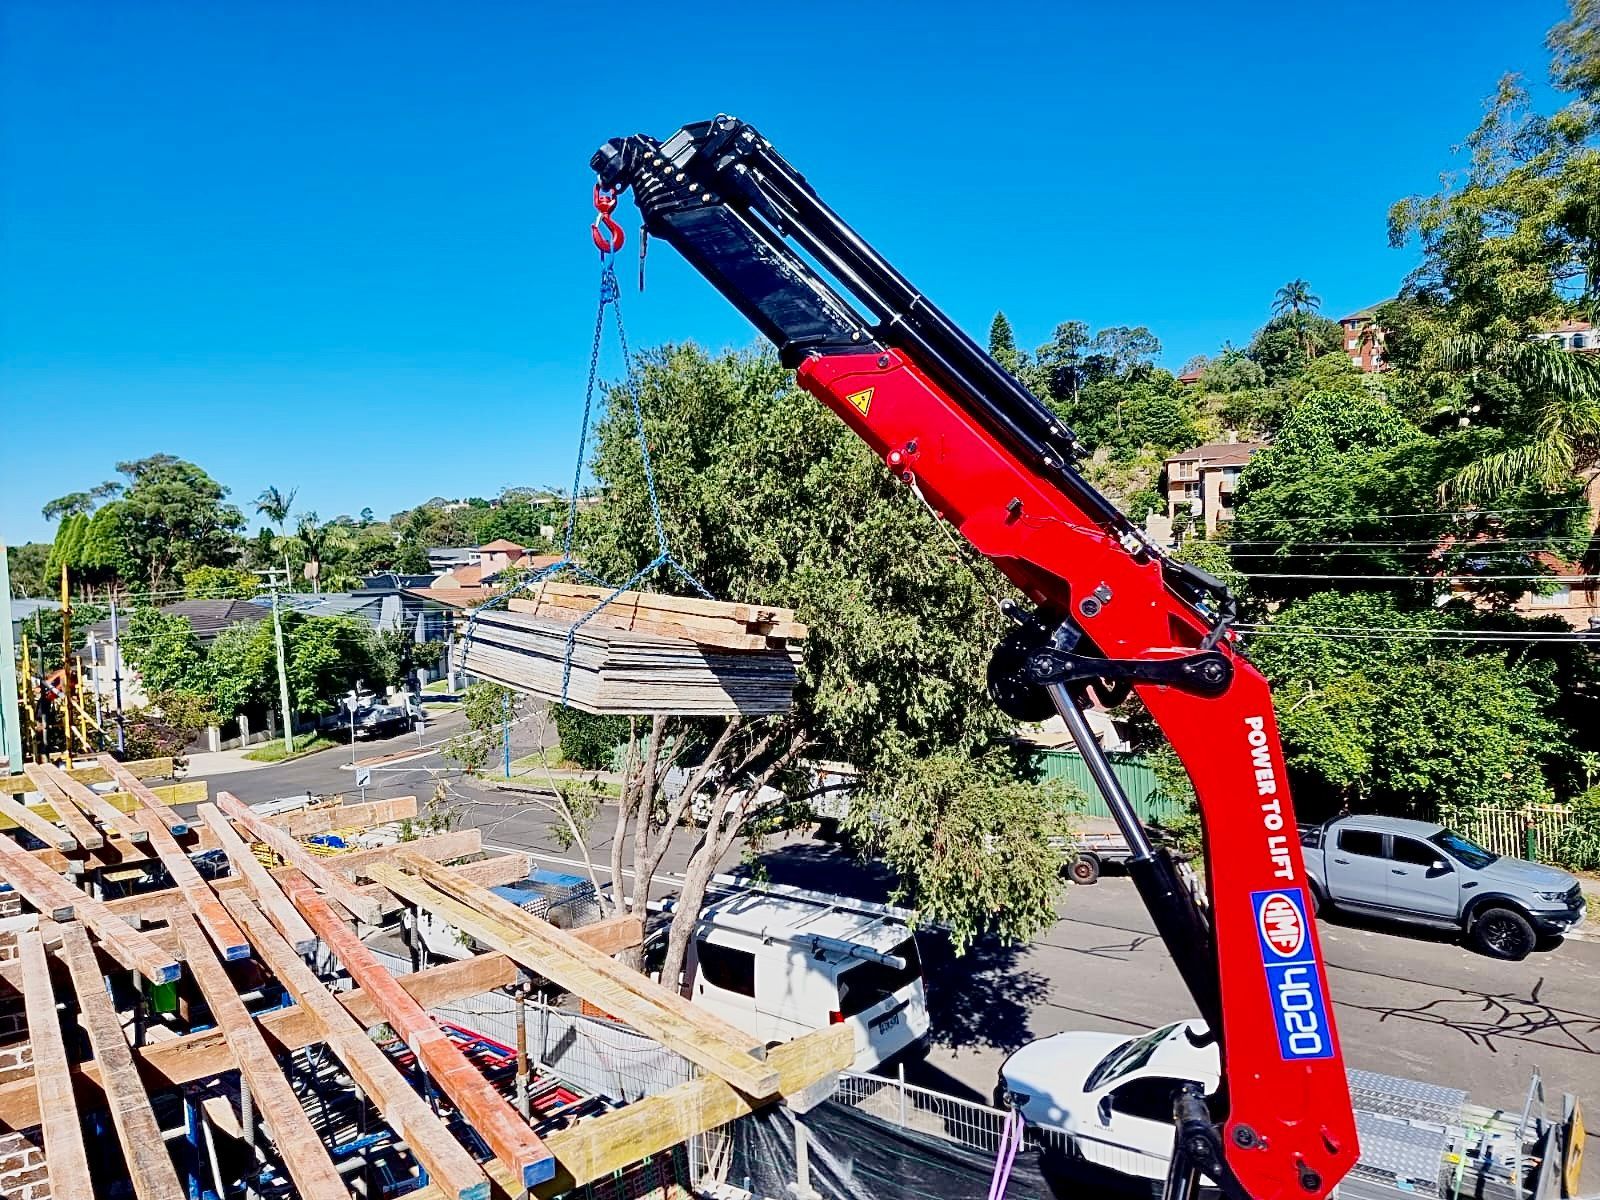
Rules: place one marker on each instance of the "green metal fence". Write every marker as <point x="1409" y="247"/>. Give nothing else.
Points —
<point x="1138" y="779"/>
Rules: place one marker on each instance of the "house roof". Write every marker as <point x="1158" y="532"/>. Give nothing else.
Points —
<point x="1572" y="327"/>
<point x="389" y="581"/>
<point x="25" y="606"/>
<point x="468" y="576"/>
<point x="206" y="617"/>
<point x="326" y="604"/>
<point x="1220" y="454"/>
<point x="450" y="597"/>
<point x="504" y="546"/>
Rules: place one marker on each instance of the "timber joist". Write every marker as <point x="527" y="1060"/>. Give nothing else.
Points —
<point x="78" y="946"/>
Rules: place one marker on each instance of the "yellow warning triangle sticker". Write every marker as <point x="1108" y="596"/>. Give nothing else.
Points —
<point x="862" y="400"/>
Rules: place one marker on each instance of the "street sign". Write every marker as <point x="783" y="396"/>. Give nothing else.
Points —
<point x="363" y="776"/>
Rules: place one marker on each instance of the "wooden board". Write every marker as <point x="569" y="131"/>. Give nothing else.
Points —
<point x="457" y="843"/>
<point x="364" y="908"/>
<point x="149" y="1165"/>
<point x="48" y="832"/>
<point x="111" y="818"/>
<point x="690" y="611"/>
<point x="598" y="1147"/>
<point x="502" y="1128"/>
<point x="626" y="671"/>
<point x="129" y="782"/>
<point x="51" y="894"/>
<point x="553" y="953"/>
<point x="64" y="1154"/>
<point x="299" y="1144"/>
<point x="307" y="821"/>
<point x="408" y="1114"/>
<point x="197" y="894"/>
<point x="193" y="1056"/>
<point x="247" y="867"/>
<point x="87" y="773"/>
<point x="66" y="808"/>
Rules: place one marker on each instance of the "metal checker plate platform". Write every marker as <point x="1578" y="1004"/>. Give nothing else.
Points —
<point x="1406" y="1098"/>
<point x="1393" y="1151"/>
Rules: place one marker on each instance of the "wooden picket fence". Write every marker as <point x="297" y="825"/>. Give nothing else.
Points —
<point x="1529" y="832"/>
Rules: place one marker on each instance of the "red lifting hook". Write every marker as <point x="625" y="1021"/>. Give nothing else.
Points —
<point x="607" y="234"/>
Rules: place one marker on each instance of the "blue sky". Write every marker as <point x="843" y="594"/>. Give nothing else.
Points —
<point x="341" y="247"/>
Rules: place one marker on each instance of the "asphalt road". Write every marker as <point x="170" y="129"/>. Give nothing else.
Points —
<point x="1414" y="1005"/>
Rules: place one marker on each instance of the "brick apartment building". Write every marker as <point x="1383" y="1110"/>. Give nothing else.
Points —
<point x="1201" y="481"/>
<point x="1365" y="350"/>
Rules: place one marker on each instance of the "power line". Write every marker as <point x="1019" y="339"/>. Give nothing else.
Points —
<point x="1429" y="578"/>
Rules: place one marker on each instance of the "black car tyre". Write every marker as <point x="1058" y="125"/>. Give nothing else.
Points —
<point x="1503" y="933"/>
<point x="1085" y="869"/>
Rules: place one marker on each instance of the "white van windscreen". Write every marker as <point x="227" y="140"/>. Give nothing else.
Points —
<point x="866" y="983"/>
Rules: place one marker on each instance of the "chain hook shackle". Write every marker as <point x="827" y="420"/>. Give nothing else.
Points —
<point x="605" y="232"/>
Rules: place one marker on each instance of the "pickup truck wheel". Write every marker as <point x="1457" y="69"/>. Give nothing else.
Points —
<point x="1319" y="902"/>
<point x="1503" y="933"/>
<point x="1085" y="869"/>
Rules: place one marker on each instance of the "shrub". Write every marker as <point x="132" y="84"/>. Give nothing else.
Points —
<point x="1578" y="846"/>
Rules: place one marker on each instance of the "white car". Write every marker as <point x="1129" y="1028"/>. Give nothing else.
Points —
<point x="1109" y="1093"/>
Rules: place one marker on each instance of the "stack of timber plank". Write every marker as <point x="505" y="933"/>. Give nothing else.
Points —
<point x="641" y="653"/>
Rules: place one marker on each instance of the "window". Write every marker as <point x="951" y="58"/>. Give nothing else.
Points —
<point x="868" y="983"/>
<point x="1355" y="360"/>
<point x="1463" y="850"/>
<point x="1417" y="854"/>
<point x="726" y="968"/>
<point x="1149" y="1099"/>
<point x="1579" y="341"/>
<point x="1129" y="1056"/>
<point x="1361" y="841"/>
<point x="1558" y="597"/>
<point x="1352" y="343"/>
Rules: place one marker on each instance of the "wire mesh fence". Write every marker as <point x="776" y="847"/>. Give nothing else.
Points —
<point x="966" y="1122"/>
<point x="598" y="1056"/>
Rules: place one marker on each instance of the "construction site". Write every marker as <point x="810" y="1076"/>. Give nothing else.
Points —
<point x="229" y="1033"/>
<point x="204" y="997"/>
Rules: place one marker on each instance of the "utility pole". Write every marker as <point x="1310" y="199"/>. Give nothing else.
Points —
<point x="116" y="676"/>
<point x="66" y="667"/>
<point x="10" y="714"/>
<point x="283" y="670"/>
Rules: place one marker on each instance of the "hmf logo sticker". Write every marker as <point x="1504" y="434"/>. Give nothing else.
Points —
<point x="1299" y="1008"/>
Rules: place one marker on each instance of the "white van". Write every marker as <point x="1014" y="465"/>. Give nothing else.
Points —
<point x="778" y="962"/>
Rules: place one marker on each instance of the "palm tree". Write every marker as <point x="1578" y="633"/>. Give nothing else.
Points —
<point x="315" y="540"/>
<point x="1295" y="297"/>
<point x="275" y="505"/>
<point x="1296" y="301"/>
<point x="1560" y="430"/>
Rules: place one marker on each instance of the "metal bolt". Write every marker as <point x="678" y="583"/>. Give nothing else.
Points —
<point x="883" y="361"/>
<point x="1102" y="594"/>
<point x="1089" y="606"/>
<point x="1244" y="1137"/>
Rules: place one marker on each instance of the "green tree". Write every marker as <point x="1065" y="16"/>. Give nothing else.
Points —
<point x="80" y="503"/>
<point x="397" y="655"/>
<point x="894" y="667"/>
<point x="1003" y="344"/>
<point x="27" y="565"/>
<point x="275" y="505"/>
<point x="174" y="517"/>
<point x="315" y="541"/>
<point x="241" y="670"/>
<point x="487" y="707"/>
<point x="328" y="657"/>
<point x="43" y="631"/>
<point x="219" y="583"/>
<point x="1232" y="371"/>
<point x="162" y="648"/>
